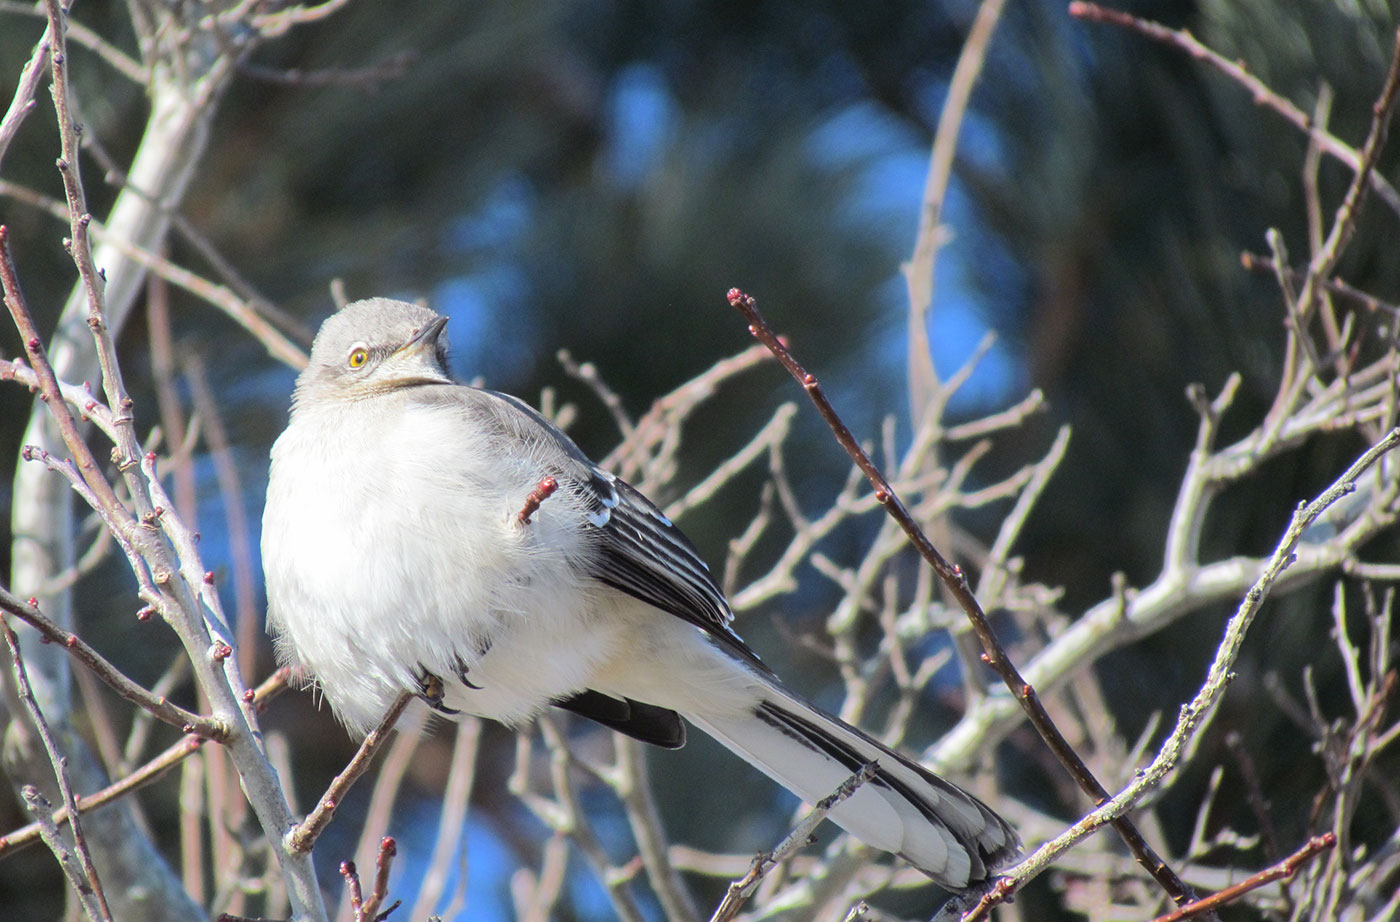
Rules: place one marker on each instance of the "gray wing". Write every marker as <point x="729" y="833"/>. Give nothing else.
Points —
<point x="645" y="555"/>
<point x="639" y="550"/>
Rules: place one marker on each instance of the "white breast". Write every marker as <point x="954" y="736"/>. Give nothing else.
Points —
<point x="390" y="549"/>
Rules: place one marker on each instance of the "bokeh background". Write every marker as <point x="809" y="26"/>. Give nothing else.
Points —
<point x="594" y="176"/>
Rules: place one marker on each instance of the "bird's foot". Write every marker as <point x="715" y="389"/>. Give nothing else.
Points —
<point x="431" y="689"/>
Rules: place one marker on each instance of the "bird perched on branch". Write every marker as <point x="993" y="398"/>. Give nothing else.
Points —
<point x="422" y="535"/>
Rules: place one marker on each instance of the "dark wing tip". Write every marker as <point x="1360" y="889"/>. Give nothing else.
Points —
<point x="646" y="722"/>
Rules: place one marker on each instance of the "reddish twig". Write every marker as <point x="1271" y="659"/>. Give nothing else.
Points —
<point x="89" y="408"/>
<point x="303" y="836"/>
<point x="366" y="909"/>
<point x="1254" y="794"/>
<point x="248" y="623"/>
<point x="151" y="771"/>
<point x="352" y="884"/>
<point x="127" y="451"/>
<point x="1185" y="41"/>
<point x="28" y="85"/>
<point x="157" y="705"/>
<point x="955" y="580"/>
<point x="369" y="912"/>
<point x="84" y="878"/>
<point x="1344" y="224"/>
<point x="242" y="305"/>
<point x="542" y="491"/>
<point x="588" y="374"/>
<point x="633" y="453"/>
<point x="1281" y="871"/>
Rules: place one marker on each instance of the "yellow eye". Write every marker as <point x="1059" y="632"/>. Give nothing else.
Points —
<point x="358" y="357"/>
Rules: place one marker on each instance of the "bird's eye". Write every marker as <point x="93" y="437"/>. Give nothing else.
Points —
<point x="358" y="356"/>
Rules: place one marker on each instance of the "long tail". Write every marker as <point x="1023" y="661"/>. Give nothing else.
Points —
<point x="906" y="809"/>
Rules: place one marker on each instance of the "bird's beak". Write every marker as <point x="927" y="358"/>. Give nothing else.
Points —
<point x="425" y="339"/>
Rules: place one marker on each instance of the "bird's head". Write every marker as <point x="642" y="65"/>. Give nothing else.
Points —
<point x="371" y="347"/>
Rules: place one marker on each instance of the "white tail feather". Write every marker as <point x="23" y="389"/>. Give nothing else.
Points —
<point x="946" y="832"/>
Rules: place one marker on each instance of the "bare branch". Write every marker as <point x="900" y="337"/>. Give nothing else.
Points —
<point x="1281" y="871"/>
<point x="1197" y="712"/>
<point x="94" y="906"/>
<point x="172" y="714"/>
<point x="86" y="884"/>
<point x="303" y="836"/>
<point x="957" y="585"/>
<point x="743" y="888"/>
<point x="451" y="820"/>
<point x="1261" y="94"/>
<point x="919" y="271"/>
<point x="28" y="86"/>
<point x="152" y="771"/>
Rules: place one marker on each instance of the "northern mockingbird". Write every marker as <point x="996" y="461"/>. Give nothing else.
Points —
<point x="399" y="557"/>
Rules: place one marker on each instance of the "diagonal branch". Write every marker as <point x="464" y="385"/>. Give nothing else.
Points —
<point x="1196" y="713"/>
<point x="956" y="582"/>
<point x="1183" y="40"/>
<point x="740" y="890"/>
<point x="302" y="837"/>
<point x="153" y="770"/>
<point x="86" y="884"/>
<point x="158" y="705"/>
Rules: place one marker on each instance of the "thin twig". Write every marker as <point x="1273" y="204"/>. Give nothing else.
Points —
<point x="634" y="789"/>
<point x="246" y="615"/>
<point x="1254" y="794"/>
<point x="151" y="771"/>
<point x="666" y="413"/>
<point x="564" y="815"/>
<point x="741" y="889"/>
<point x="388" y="782"/>
<point x="1010" y="418"/>
<point x="43" y="811"/>
<point x="88" y="887"/>
<point x="365" y="78"/>
<point x="114" y="175"/>
<point x="1344" y="224"/>
<point x="1258" y="90"/>
<point x="303" y="836"/>
<point x="452" y="818"/>
<point x="27" y="87"/>
<point x="127" y="445"/>
<point x="1258" y="261"/>
<point x="52" y="394"/>
<point x="172" y="714"/>
<point x="773" y="434"/>
<point x="369" y="908"/>
<point x="172" y="416"/>
<point x="588" y="374"/>
<point x="1281" y="871"/>
<point x="119" y="60"/>
<point x="535" y="895"/>
<point x="89" y="408"/>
